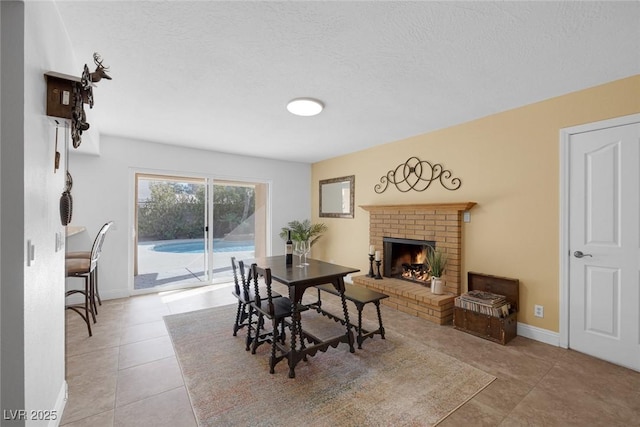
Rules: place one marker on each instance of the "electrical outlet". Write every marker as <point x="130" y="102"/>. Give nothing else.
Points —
<point x="538" y="311"/>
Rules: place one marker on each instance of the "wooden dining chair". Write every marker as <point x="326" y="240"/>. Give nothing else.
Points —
<point x="274" y="309"/>
<point x="244" y="293"/>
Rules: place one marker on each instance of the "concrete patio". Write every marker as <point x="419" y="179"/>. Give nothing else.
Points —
<point x="159" y="270"/>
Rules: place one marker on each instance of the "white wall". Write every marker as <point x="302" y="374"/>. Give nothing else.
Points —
<point x="11" y="227"/>
<point x="1" y="406"/>
<point x="33" y="314"/>
<point x="103" y="190"/>
<point x="47" y="47"/>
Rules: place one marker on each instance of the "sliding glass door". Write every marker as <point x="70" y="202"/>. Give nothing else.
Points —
<point x="188" y="228"/>
<point x="170" y="231"/>
<point x="233" y="225"/>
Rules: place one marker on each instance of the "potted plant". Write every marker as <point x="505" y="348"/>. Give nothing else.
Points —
<point x="302" y="231"/>
<point x="437" y="261"/>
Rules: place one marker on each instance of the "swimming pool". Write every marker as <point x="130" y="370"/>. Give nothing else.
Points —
<point x="197" y="246"/>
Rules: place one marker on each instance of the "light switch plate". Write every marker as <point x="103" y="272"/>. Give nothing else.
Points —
<point x="59" y="241"/>
<point x="31" y="253"/>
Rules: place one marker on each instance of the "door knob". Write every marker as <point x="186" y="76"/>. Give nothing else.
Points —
<point x="579" y="254"/>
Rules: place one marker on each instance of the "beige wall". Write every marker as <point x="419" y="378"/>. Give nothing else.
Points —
<point x="509" y="165"/>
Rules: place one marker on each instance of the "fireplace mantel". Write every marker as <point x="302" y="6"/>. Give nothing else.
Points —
<point x="461" y="206"/>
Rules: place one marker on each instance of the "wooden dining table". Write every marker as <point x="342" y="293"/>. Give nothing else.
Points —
<point x="298" y="279"/>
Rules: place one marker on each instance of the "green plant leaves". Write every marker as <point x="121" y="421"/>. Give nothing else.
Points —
<point x="303" y="230"/>
<point x="437" y="261"/>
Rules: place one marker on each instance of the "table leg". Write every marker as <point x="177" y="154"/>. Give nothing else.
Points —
<point x="295" y="318"/>
<point x="380" y="319"/>
<point x="360" y="307"/>
<point x="339" y="285"/>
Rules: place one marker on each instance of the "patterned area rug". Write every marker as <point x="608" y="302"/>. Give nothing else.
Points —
<point x="389" y="382"/>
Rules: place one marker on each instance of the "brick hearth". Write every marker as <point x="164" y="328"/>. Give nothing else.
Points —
<point x="441" y="223"/>
<point x="411" y="298"/>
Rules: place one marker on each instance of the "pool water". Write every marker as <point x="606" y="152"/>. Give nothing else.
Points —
<point x="197" y="246"/>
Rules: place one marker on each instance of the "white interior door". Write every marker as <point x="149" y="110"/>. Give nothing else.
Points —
<point x="604" y="244"/>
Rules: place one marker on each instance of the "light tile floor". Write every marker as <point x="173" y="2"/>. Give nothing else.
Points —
<point x="127" y="373"/>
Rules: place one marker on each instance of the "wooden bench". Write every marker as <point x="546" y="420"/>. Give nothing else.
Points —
<point x="360" y="296"/>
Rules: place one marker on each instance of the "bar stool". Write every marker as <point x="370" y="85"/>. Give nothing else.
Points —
<point x="86" y="255"/>
<point x="82" y="268"/>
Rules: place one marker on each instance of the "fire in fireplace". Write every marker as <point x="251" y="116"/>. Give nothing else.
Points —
<point x="406" y="259"/>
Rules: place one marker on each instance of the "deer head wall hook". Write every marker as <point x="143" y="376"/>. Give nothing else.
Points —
<point x="101" y="71"/>
<point x="84" y="93"/>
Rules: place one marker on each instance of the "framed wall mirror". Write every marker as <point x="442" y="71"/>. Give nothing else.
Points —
<point x="337" y="197"/>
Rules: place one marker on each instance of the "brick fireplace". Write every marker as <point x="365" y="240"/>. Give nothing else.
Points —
<point x="440" y="223"/>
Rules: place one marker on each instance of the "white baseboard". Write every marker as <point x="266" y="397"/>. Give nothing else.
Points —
<point x="61" y="401"/>
<point x="107" y="294"/>
<point x="104" y="296"/>
<point x="539" y="334"/>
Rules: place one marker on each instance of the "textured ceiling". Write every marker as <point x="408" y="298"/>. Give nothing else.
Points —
<point x="218" y="75"/>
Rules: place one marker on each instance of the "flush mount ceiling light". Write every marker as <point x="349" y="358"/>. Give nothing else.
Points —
<point x="305" y="106"/>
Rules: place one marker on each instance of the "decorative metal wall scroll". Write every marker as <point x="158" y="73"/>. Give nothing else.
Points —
<point x="416" y="174"/>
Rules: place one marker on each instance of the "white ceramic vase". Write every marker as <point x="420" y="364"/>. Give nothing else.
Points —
<point x="437" y="286"/>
